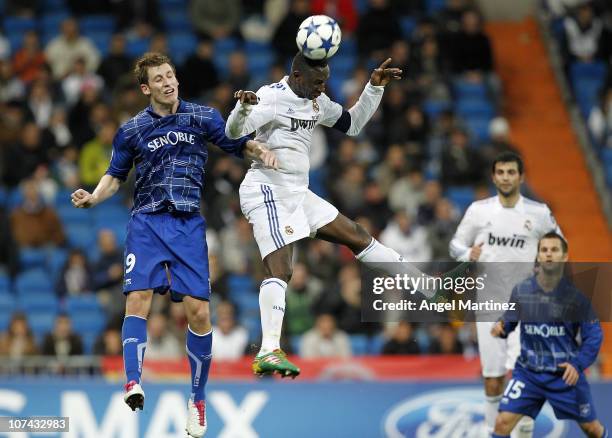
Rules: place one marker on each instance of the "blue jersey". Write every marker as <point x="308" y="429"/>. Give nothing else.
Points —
<point x="557" y="326"/>
<point x="169" y="153"/>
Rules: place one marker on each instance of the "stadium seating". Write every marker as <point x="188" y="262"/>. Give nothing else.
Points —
<point x="461" y="197"/>
<point x="32" y="258"/>
<point x="38" y="302"/>
<point x="33" y="280"/>
<point x="359" y="344"/>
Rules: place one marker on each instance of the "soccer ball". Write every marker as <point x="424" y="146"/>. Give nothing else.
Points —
<point x="319" y="37"/>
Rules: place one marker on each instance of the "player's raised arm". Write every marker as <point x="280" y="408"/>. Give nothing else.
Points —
<point x="353" y="120"/>
<point x="252" y="111"/>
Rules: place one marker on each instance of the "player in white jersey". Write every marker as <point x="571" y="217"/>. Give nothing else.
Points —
<point x="279" y="204"/>
<point x="503" y="228"/>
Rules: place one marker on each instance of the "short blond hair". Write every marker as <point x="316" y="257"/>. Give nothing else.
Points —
<point x="149" y="59"/>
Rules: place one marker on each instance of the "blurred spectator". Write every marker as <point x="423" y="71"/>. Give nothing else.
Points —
<point x="63" y="50"/>
<point x="583" y="34"/>
<point x="87" y="117"/>
<point x="109" y="343"/>
<point x="137" y="16"/>
<point x="449" y="18"/>
<point x="77" y="80"/>
<point x="432" y="193"/>
<point x="376" y="207"/>
<point x="66" y="169"/>
<point x="344" y="11"/>
<point x="445" y="340"/>
<point x="29" y="60"/>
<point x="57" y="135"/>
<point x="441" y="230"/>
<point x="159" y="43"/>
<point x="325" y="340"/>
<point x="79" y="7"/>
<point x="8" y="249"/>
<point x="40" y="103"/>
<point x="499" y="131"/>
<point x="21" y="8"/>
<point x="283" y="40"/>
<point x="402" y="340"/>
<point x="378" y="29"/>
<point x="22" y="159"/>
<point x="470" y="48"/>
<point x="18" y="341"/>
<point x="302" y="292"/>
<point x="413" y="127"/>
<point x="161" y="344"/>
<point x="107" y="272"/>
<point x="230" y="340"/>
<point x="406" y="192"/>
<point x="321" y="260"/>
<point x="11" y="87"/>
<point x="348" y="190"/>
<point x="95" y="155"/>
<point x="12" y="118"/>
<point x="5" y="47"/>
<point x="214" y="19"/>
<point x="461" y="164"/>
<point x="62" y="341"/>
<point x="33" y="223"/>
<point x="238" y="76"/>
<point x="199" y="74"/>
<point x="239" y="247"/>
<point x="116" y="63"/>
<point x="407" y="238"/>
<point x="600" y="120"/>
<point x="393" y="167"/>
<point x="75" y="277"/>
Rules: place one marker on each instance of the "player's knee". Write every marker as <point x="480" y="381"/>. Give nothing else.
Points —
<point x="494" y="386"/>
<point x="503" y="425"/>
<point x="198" y="314"/>
<point x="592" y="429"/>
<point x="138" y="303"/>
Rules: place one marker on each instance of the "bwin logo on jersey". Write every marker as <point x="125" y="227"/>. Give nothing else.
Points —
<point x="512" y="242"/>
<point x="304" y="124"/>
<point x="453" y="413"/>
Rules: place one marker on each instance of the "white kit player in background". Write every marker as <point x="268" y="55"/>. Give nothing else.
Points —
<point x="279" y="204"/>
<point x="504" y="228"/>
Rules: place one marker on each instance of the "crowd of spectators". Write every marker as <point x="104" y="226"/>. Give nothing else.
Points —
<point x="62" y="99"/>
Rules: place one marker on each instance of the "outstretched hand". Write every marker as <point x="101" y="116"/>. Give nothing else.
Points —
<point x="245" y="96"/>
<point x="82" y="199"/>
<point x="383" y="75"/>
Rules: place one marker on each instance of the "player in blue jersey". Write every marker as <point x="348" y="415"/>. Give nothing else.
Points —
<point x="553" y="314"/>
<point x="165" y="248"/>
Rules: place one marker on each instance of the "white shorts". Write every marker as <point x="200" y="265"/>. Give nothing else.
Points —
<point x="497" y="355"/>
<point x="281" y="215"/>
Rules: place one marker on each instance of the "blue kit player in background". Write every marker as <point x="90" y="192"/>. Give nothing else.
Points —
<point x="166" y="249"/>
<point x="552" y="360"/>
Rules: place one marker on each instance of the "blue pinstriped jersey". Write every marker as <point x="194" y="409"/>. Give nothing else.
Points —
<point x="557" y="326"/>
<point x="169" y="154"/>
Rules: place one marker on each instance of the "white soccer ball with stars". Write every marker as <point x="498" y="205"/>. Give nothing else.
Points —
<point x="319" y="37"/>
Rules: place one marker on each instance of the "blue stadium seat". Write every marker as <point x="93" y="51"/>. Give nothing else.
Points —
<point x="316" y="179"/>
<point x="7" y="303"/>
<point x="89" y="340"/>
<point x="590" y="70"/>
<point x="246" y="302"/>
<point x="434" y="6"/>
<point x="181" y="45"/>
<point x="342" y="65"/>
<point x="348" y="46"/>
<point x="240" y="284"/>
<point x="606" y="156"/>
<point x="478" y="128"/>
<point x="5" y="320"/>
<point x="408" y="24"/>
<point x="18" y="24"/>
<point x="62" y="198"/>
<point x="32" y="258"/>
<point x="54" y="5"/>
<point x="176" y="20"/>
<point x="296" y="343"/>
<point x="70" y="215"/>
<point x="110" y="215"/>
<point x="5" y="283"/>
<point x="334" y="88"/>
<point x="359" y="344"/>
<point x="100" y="39"/>
<point x="33" y="280"/>
<point x="137" y="46"/>
<point x="226" y="45"/>
<point x="97" y="23"/>
<point x="83" y="322"/>
<point x="55" y="263"/>
<point x="462" y="197"/>
<point x="587" y="94"/>
<point x="80" y="235"/>
<point x="3" y="196"/>
<point x="253" y="326"/>
<point x="608" y="170"/>
<point x="259" y="63"/>
<point x="433" y="108"/>
<point x="464" y="89"/>
<point x="51" y="22"/>
<point x="38" y="302"/>
<point x="14" y="198"/>
<point x="474" y="107"/>
<point x="41" y="323"/>
<point x="87" y="302"/>
<point x="376" y="344"/>
<point x="15" y="40"/>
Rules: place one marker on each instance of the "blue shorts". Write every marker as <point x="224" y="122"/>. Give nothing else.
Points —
<point x="167" y="252"/>
<point x="528" y="390"/>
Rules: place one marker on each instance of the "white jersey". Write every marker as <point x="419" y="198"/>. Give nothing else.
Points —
<point x="508" y="234"/>
<point x="285" y="123"/>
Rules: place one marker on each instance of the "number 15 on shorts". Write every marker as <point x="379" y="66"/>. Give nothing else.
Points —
<point x="514" y="389"/>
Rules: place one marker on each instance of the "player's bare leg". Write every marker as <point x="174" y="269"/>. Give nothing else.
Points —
<point x="199" y="346"/>
<point x="494" y="388"/>
<point x="593" y="429"/>
<point x="134" y="335"/>
<point x="271" y="359"/>
<point x="505" y="422"/>
<point x="372" y="253"/>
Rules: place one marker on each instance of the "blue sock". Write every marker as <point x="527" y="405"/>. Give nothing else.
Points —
<point x="494" y="435"/>
<point x="134" y="335"/>
<point x="199" y="349"/>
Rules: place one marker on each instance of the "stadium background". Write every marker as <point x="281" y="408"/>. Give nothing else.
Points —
<point x="468" y="93"/>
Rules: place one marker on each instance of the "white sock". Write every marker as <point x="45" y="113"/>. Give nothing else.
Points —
<point x="382" y="258"/>
<point x="491" y="408"/>
<point x="524" y="428"/>
<point x="272" y="309"/>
